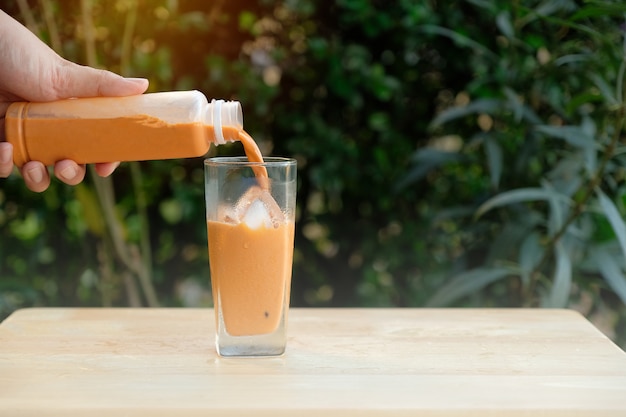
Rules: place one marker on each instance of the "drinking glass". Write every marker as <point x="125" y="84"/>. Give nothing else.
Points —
<point x="250" y="213"/>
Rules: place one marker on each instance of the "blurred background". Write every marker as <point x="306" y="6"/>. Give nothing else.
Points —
<point x="451" y="153"/>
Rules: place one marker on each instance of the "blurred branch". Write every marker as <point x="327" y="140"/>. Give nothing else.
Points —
<point x="126" y="253"/>
<point x="145" y="279"/>
<point x="90" y="40"/>
<point x="27" y="15"/>
<point x="106" y="274"/>
<point x="127" y="39"/>
<point x="130" y="258"/>
<point x="132" y="293"/>
<point x="140" y="200"/>
<point x="144" y="257"/>
<point x="53" y="31"/>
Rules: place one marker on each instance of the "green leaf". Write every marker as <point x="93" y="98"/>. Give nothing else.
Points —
<point x="605" y="89"/>
<point x="423" y="162"/>
<point x="378" y="121"/>
<point x="514" y="103"/>
<point x="562" y="281"/>
<point x="485" y="4"/>
<point x="615" y="219"/>
<point x="171" y="210"/>
<point x="493" y="151"/>
<point x="572" y="59"/>
<point x="549" y="7"/>
<point x="27" y="228"/>
<point x="520" y="195"/>
<point x="590" y="154"/>
<point x="598" y="10"/>
<point x="503" y="21"/>
<point x="557" y="211"/>
<point x="580" y="100"/>
<point x="487" y="106"/>
<point x="611" y="271"/>
<point x="530" y="254"/>
<point x="458" y="38"/>
<point x="565" y="176"/>
<point x="574" y="135"/>
<point x="543" y="12"/>
<point x="247" y="20"/>
<point x="467" y="283"/>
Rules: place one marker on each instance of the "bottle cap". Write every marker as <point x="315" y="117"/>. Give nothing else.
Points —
<point x="225" y="114"/>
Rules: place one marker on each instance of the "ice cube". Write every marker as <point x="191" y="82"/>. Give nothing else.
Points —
<point x="257" y="215"/>
<point x="227" y="214"/>
<point x="258" y="208"/>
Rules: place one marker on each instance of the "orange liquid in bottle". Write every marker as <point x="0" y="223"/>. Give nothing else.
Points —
<point x="132" y="138"/>
<point x="143" y="127"/>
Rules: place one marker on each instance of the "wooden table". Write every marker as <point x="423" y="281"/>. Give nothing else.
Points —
<point x="339" y="362"/>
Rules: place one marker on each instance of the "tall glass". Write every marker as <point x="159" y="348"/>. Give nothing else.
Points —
<point x="250" y="212"/>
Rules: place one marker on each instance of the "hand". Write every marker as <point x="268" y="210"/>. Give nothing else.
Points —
<point x="31" y="71"/>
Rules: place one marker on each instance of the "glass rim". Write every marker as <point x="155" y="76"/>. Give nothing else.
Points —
<point x="243" y="161"/>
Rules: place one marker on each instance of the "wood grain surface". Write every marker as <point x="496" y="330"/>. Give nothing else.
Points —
<point x="339" y="362"/>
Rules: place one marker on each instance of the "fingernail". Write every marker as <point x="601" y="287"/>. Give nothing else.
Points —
<point x="141" y="81"/>
<point x="68" y="173"/>
<point x="35" y="175"/>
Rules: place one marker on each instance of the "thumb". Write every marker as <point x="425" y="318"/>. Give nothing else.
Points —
<point x="73" y="80"/>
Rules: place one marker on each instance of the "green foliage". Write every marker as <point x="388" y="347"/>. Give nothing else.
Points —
<point x="543" y="116"/>
<point x="463" y="153"/>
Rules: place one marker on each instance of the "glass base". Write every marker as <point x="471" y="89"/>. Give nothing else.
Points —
<point x="251" y="346"/>
<point x="270" y="344"/>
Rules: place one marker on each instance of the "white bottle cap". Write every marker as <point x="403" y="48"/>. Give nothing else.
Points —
<point x="225" y="113"/>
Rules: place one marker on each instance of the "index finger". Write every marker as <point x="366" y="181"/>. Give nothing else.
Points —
<point x="74" y="80"/>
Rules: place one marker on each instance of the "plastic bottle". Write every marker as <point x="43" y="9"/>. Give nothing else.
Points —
<point x="177" y="124"/>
